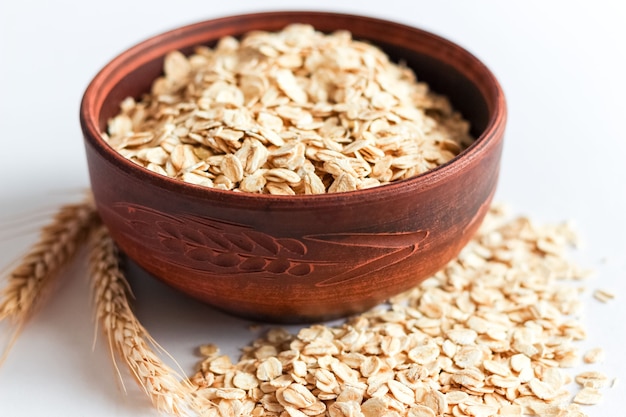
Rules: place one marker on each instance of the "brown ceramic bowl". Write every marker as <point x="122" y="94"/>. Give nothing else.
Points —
<point x="297" y="258"/>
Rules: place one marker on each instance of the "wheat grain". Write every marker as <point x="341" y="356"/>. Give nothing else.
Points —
<point x="125" y="334"/>
<point x="26" y="283"/>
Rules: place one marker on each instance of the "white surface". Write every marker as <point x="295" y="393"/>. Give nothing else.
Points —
<point x="562" y="65"/>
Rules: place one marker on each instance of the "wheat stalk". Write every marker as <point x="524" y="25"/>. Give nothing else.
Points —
<point x="58" y="243"/>
<point x="125" y="334"/>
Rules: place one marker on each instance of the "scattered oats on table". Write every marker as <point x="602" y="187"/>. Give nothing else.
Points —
<point x="489" y="335"/>
<point x="603" y="295"/>
<point x="289" y="112"/>
<point x="592" y="379"/>
<point x="594" y="355"/>
<point x="588" y="396"/>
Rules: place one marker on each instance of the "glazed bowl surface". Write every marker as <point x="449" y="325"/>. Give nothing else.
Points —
<point x="306" y="257"/>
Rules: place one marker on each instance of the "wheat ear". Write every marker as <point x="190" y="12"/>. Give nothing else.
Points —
<point x="126" y="336"/>
<point x="58" y="242"/>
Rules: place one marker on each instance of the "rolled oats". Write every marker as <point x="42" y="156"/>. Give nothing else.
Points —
<point x="603" y="295"/>
<point x="594" y="355"/>
<point x="592" y="379"/>
<point x="482" y="337"/>
<point x="588" y="396"/>
<point x="334" y="113"/>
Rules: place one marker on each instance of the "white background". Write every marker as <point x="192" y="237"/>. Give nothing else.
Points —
<point x="561" y="63"/>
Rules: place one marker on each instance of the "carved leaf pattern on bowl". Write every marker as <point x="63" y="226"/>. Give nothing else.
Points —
<point x="222" y="248"/>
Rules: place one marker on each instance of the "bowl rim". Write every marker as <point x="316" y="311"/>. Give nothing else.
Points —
<point x="90" y="108"/>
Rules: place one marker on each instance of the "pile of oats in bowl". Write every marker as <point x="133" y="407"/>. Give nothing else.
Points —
<point x="289" y="112"/>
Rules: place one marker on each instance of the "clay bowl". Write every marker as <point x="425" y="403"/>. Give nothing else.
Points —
<point x="297" y="258"/>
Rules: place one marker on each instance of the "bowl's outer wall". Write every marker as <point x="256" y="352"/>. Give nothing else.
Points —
<point x="297" y="259"/>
